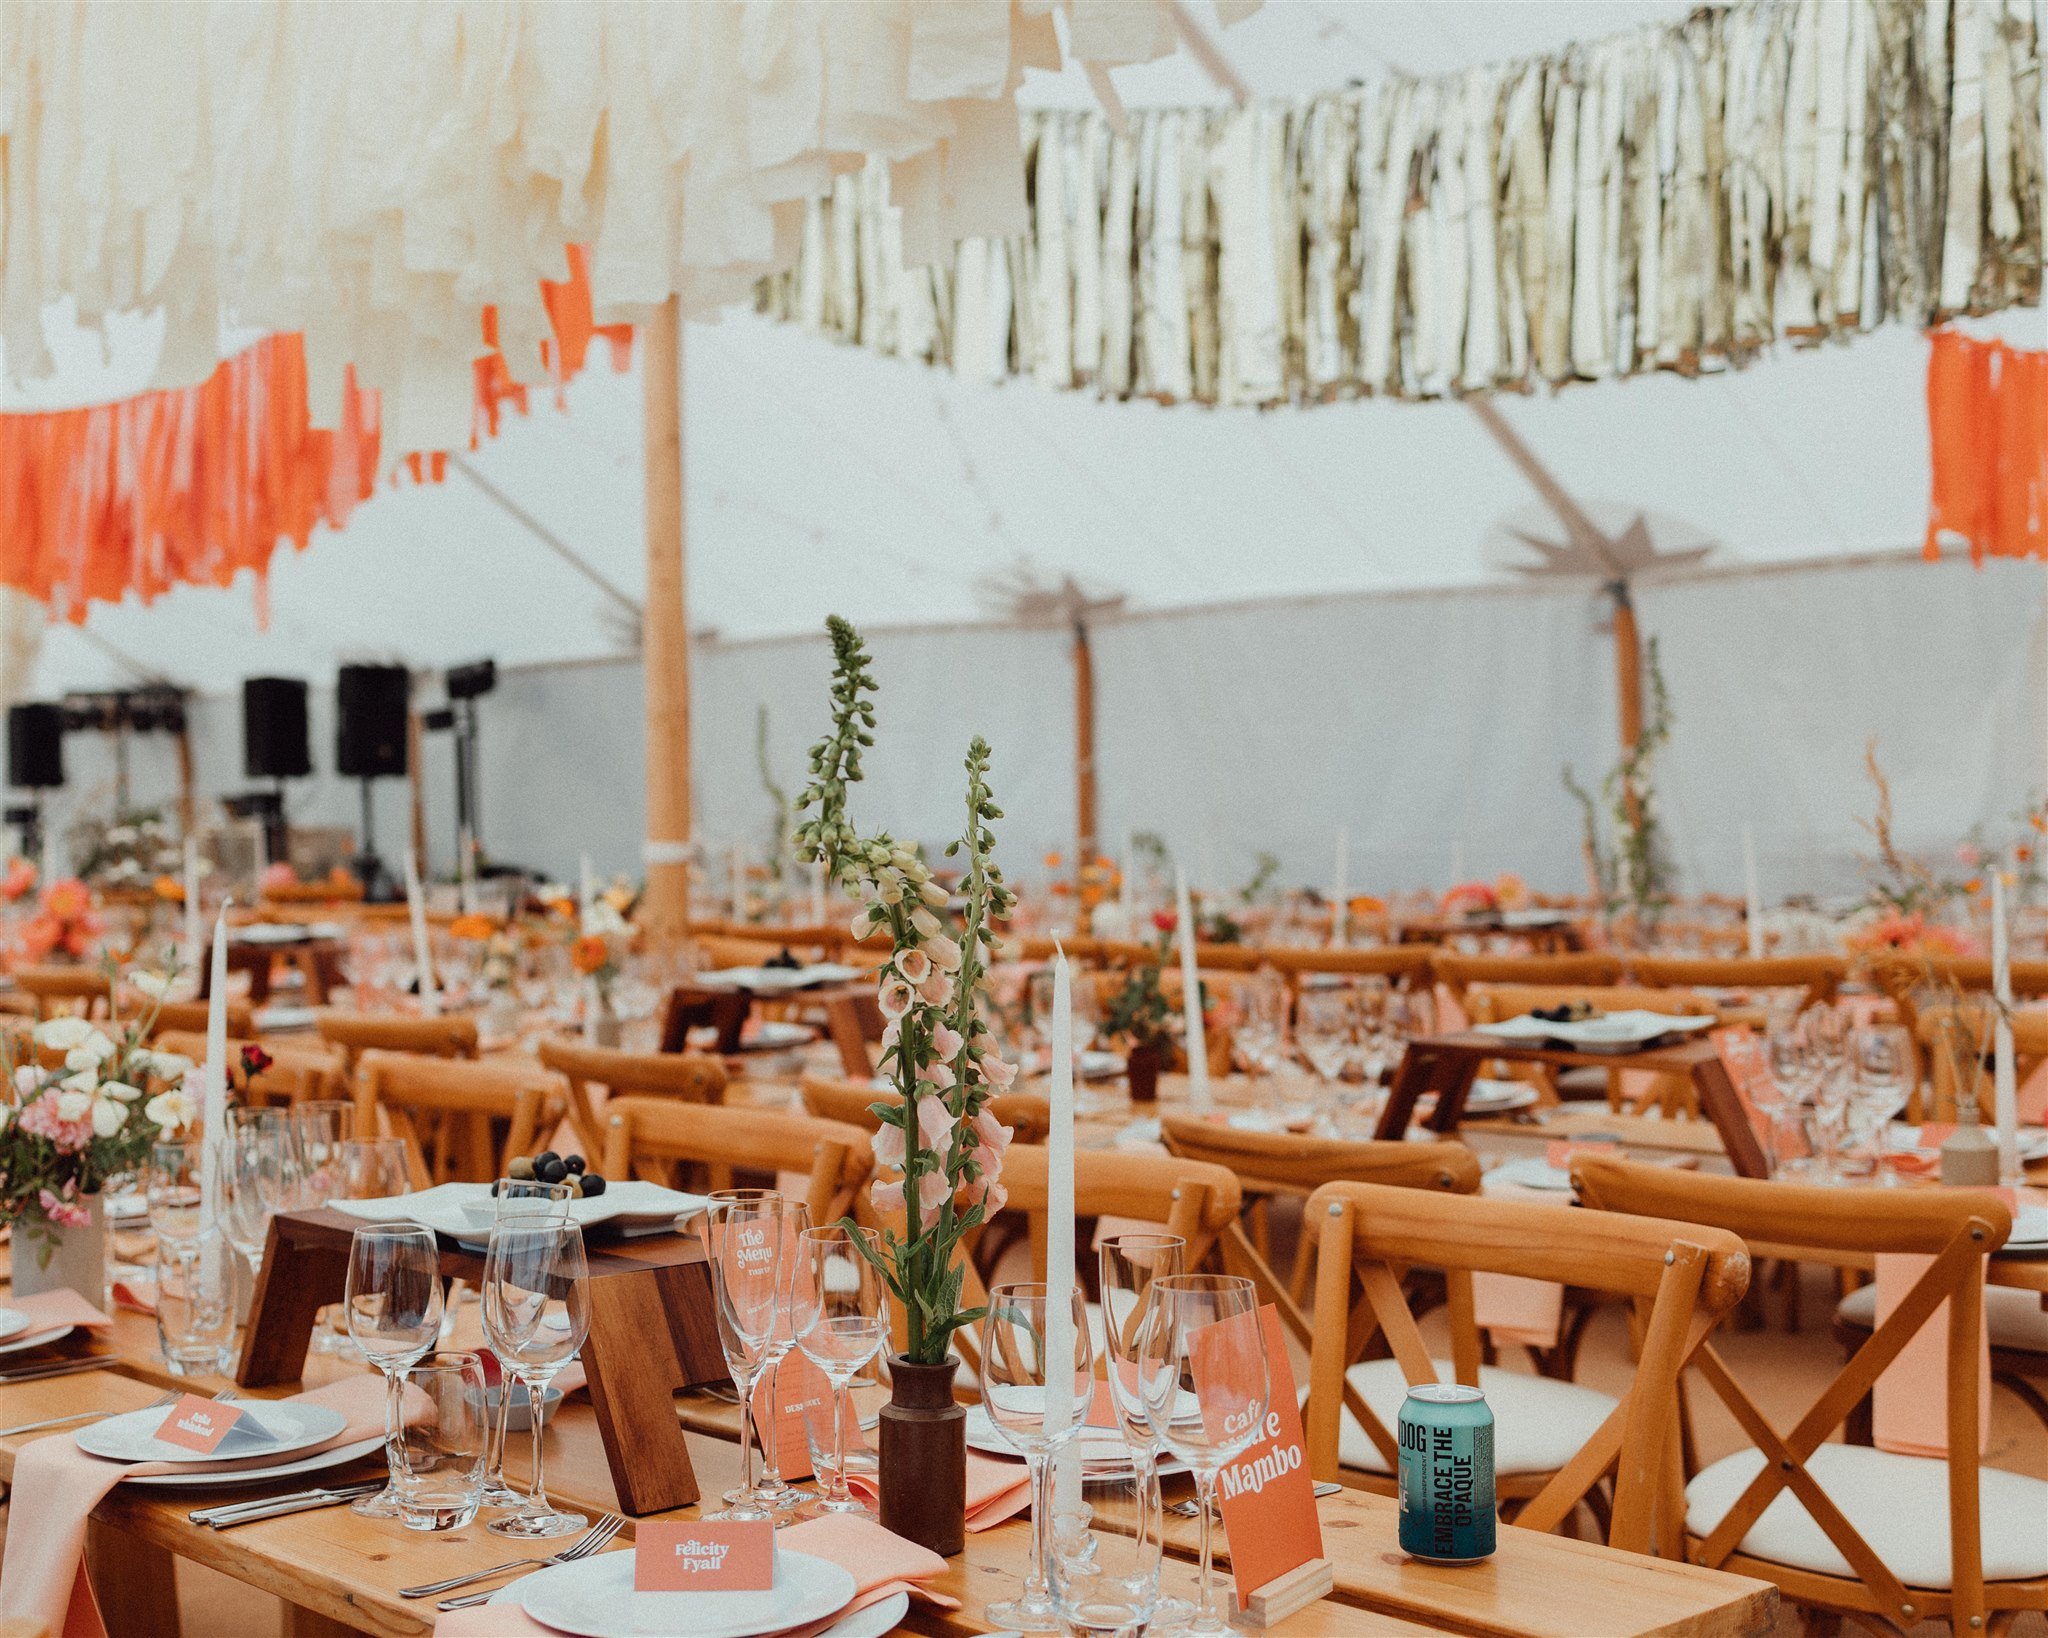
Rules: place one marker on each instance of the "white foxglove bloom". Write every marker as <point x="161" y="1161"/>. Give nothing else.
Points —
<point x="935" y="895"/>
<point x="914" y="965"/>
<point x="945" y="954"/>
<point x="926" y="924"/>
<point x="863" y="924"/>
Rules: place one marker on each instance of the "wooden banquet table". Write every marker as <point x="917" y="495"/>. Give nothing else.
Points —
<point x="338" y="1573"/>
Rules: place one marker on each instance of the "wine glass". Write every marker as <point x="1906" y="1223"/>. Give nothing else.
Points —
<point x="1260" y="1036"/>
<point x="1884" y="1061"/>
<point x="743" y="1243"/>
<point x="840" y="1321"/>
<point x="773" y="1492"/>
<point x="520" y="1200"/>
<point x="1203" y="1376"/>
<point x="1035" y="1386"/>
<point x="319" y="1127"/>
<point x="259" y="1174"/>
<point x="536" y="1314"/>
<point x="1129" y="1265"/>
<point x="173" y="1190"/>
<point x="394" y="1314"/>
<point x="372" y="1169"/>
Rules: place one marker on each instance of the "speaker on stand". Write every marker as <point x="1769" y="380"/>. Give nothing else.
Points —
<point x="273" y="747"/>
<point x="372" y="705"/>
<point x="35" y="763"/>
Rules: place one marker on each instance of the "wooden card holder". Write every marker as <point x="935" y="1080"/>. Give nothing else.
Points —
<point x="653" y="1333"/>
<point x="1286" y="1594"/>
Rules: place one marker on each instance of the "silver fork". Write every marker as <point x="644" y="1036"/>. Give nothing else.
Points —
<point x="598" y="1535"/>
<point x="81" y="1416"/>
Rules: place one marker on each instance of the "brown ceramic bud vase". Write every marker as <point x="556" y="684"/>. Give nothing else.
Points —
<point x="924" y="1457"/>
<point x="1141" y="1067"/>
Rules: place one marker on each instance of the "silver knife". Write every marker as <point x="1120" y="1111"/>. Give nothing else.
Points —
<point x="223" y="1518"/>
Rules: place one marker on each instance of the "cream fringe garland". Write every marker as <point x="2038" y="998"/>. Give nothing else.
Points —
<point x="1676" y="198"/>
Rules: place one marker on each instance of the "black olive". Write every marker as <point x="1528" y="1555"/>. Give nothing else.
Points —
<point x="593" y="1185"/>
<point x="549" y="1169"/>
<point x="575" y="1163"/>
<point x="543" y="1158"/>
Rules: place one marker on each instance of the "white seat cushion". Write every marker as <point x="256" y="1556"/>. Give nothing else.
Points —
<point x="1899" y="1504"/>
<point x="1538" y="1423"/>
<point x="2015" y="1319"/>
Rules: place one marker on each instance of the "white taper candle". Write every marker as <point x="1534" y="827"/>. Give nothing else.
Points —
<point x="1340" y="891"/>
<point x="1752" y="895"/>
<point x="2005" y="1103"/>
<point x="215" y="1131"/>
<point x="1191" y="993"/>
<point x="422" y="949"/>
<point x="1059" y="1240"/>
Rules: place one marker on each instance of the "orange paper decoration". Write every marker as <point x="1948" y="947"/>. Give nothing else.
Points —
<point x="1987" y="416"/>
<point x="192" y="485"/>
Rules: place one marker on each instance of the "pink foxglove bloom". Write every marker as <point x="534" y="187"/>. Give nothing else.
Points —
<point x="937" y="1074"/>
<point x="945" y="954"/>
<point x="888" y="1146"/>
<point x="914" y="965"/>
<point x="894" y="998"/>
<point x="936" y="990"/>
<point x="887" y="1197"/>
<point x="933" y="1191"/>
<point x="994" y="1135"/>
<point x="934" y="1122"/>
<point x="946" y="1041"/>
<point x="998" y="1073"/>
<point x="891" y="1032"/>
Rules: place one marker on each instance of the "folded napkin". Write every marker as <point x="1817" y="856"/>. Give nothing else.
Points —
<point x="1512" y="1308"/>
<point x="52" y="1312"/>
<point x="881" y="1563"/>
<point x="997" y="1489"/>
<point x="42" y="1568"/>
<point x="1909" y="1403"/>
<point x="137" y="1295"/>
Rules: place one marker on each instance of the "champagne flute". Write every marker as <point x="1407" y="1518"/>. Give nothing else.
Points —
<point x="840" y="1322"/>
<point x="536" y="1315"/>
<point x="1202" y="1375"/>
<point x="522" y="1200"/>
<point x="394" y="1315"/>
<point x="319" y="1127"/>
<point x="1037" y="1402"/>
<point x="773" y="1492"/>
<point x="743" y="1243"/>
<point x="259" y="1175"/>
<point x="173" y="1191"/>
<point x="1129" y="1265"/>
<point x="1884" y="1061"/>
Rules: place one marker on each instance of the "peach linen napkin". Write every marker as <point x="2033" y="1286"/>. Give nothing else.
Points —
<point x="1909" y="1405"/>
<point x="42" y="1569"/>
<point x="1512" y="1308"/>
<point x="997" y="1489"/>
<point x="881" y="1563"/>
<point x="51" y="1312"/>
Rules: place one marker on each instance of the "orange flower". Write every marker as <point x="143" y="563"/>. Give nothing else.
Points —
<point x="169" y="888"/>
<point x="67" y="900"/>
<point x="2022" y="853"/>
<point x="19" y="881"/>
<point x="1054" y="860"/>
<point x="1974" y="885"/>
<point x="472" y="926"/>
<point x="2038" y="820"/>
<point x="590" y="954"/>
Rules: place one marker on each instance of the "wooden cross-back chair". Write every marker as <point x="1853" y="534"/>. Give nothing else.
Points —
<point x="1554" y="1441"/>
<point x="1295" y="1164"/>
<point x="190" y="1017"/>
<point x="690" y="1006"/>
<point x="59" y="988"/>
<point x="1817" y="977"/>
<point x="1913" y="984"/>
<point x="358" y="1032"/>
<point x="854" y="1021"/>
<point x="1845" y="1527"/>
<point x="1457" y="973"/>
<point x="653" y="1137"/>
<point x="691" y="1077"/>
<point x="1027" y="1114"/>
<point x="450" y="1113"/>
<point x="297" y="1073"/>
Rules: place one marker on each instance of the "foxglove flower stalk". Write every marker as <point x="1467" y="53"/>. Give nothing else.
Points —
<point x="939" y="1137"/>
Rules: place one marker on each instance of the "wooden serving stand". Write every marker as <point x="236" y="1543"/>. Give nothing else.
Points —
<point x="653" y="1333"/>
<point x="1448" y="1064"/>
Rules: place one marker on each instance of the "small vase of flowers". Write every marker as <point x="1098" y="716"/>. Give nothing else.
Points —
<point x="1140" y="1016"/>
<point x="595" y="954"/>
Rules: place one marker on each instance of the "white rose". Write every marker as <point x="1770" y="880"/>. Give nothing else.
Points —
<point x="63" y="1033"/>
<point x="108" y="1116"/>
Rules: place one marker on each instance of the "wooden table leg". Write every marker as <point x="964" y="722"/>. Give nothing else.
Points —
<point x="1722" y="1105"/>
<point x="300" y="1622"/>
<point x="135" y="1583"/>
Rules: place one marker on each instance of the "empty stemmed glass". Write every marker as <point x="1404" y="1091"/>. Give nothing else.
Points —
<point x="172" y="1188"/>
<point x="319" y="1128"/>
<point x="394" y="1314"/>
<point x="1130" y="1263"/>
<point x="536" y="1306"/>
<point x="1883" y="1062"/>
<point x="1203" y="1377"/>
<point x="260" y="1178"/>
<point x="840" y="1322"/>
<point x="1036" y="1391"/>
<point x="773" y="1492"/>
<point x="743" y="1243"/>
<point x="523" y="1200"/>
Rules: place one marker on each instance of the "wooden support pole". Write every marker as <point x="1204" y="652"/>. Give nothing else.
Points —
<point x="665" y="632"/>
<point x="416" y="785"/>
<point x="1628" y="666"/>
<point x="1084" y="750"/>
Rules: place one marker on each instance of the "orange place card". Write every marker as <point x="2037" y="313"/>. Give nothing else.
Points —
<point x="1266" y="1495"/>
<point x="726" y="1555"/>
<point x="198" y="1424"/>
<point x="801" y="1393"/>
<point x="1559" y="1154"/>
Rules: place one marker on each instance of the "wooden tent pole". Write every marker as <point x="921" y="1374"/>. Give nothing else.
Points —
<point x="664" y="632"/>
<point x="1628" y="665"/>
<point x="1084" y="750"/>
<point x="416" y="786"/>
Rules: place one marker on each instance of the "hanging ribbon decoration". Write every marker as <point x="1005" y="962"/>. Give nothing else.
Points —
<point x="1987" y="416"/>
<point x="191" y="486"/>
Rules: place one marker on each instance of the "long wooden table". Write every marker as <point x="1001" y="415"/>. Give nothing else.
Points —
<point x="339" y="1573"/>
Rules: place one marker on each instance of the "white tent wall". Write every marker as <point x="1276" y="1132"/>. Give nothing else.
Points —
<point x="1433" y="725"/>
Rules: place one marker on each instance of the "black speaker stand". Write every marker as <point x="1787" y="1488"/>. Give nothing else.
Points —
<point x="378" y="885"/>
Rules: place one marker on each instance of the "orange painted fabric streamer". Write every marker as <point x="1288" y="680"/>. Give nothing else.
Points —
<point x="1987" y="417"/>
<point x="191" y="486"/>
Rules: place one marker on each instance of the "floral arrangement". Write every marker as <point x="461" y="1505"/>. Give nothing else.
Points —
<point x="1139" y="1014"/>
<point x="1631" y="869"/>
<point x="129" y="850"/>
<point x="939" y="1138"/>
<point x="499" y="963"/>
<point x="18" y="880"/>
<point x="1896" y="933"/>
<point x="1468" y="899"/>
<point x="64" y="1131"/>
<point x="65" y="924"/>
<point x="598" y="945"/>
<point x="1904" y="890"/>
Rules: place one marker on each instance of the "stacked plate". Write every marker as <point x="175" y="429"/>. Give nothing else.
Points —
<point x="594" y="1598"/>
<point x="465" y="1210"/>
<point x="1104" y="1455"/>
<point x="257" y="1449"/>
<point x="1610" y="1032"/>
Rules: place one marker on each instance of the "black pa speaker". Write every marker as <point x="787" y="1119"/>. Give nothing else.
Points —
<point x="35" y="746"/>
<point x="371" y="702"/>
<point x="274" y="728"/>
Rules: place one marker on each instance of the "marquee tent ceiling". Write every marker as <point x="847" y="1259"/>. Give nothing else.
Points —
<point x="821" y="478"/>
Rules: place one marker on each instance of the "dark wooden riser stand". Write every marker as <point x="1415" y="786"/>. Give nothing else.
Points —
<point x="653" y="1333"/>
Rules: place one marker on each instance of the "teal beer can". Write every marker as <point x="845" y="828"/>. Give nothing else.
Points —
<point x="1447" y="1500"/>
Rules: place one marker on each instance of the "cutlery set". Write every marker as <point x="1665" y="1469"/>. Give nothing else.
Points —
<point x="227" y="1516"/>
<point x="596" y="1537"/>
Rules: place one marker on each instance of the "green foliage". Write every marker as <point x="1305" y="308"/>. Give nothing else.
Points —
<point x="1631" y="866"/>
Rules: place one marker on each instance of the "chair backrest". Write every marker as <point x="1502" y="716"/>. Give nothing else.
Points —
<point x="446" y="1112"/>
<point x="1455" y="972"/>
<point x="692" y="1007"/>
<point x="692" y="1077"/>
<point x="1027" y="1114"/>
<point x="1488" y="1003"/>
<point x="1299" y="1164"/>
<point x="1949" y="1030"/>
<point x="190" y="1017"/>
<point x="1819" y="976"/>
<point x="854" y="1021"/>
<point x="359" y="1032"/>
<point x="1681" y="1280"/>
<point x="297" y="1072"/>
<point x="649" y="1137"/>
<point x="59" y="988"/>
<point x="1403" y="963"/>
<point x="1956" y="1228"/>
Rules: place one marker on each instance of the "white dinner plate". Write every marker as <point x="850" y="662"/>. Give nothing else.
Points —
<point x="876" y="1621"/>
<point x="1103" y="1451"/>
<point x="776" y="1035"/>
<point x="41" y="1339"/>
<point x="1611" y="1032"/>
<point x="461" y="1210"/>
<point x="1499" y="1097"/>
<point x="2029" y="1230"/>
<point x="594" y="1598"/>
<point x="13" y="1322"/>
<point x="270" y="932"/>
<point x="267" y="1428"/>
<point x="1532" y="1172"/>
<point x="280" y="1020"/>
<point x="766" y="980"/>
<point x="125" y="1208"/>
<point x="227" y="1477"/>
